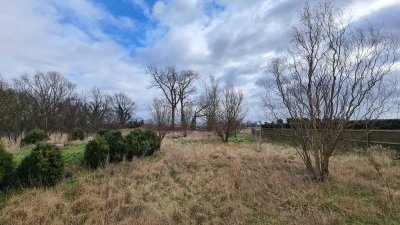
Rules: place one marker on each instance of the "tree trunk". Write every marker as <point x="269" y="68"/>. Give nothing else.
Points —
<point x="325" y="168"/>
<point x="183" y="120"/>
<point x="193" y="123"/>
<point x="226" y="139"/>
<point x="173" y="108"/>
<point x="318" y="171"/>
<point x="310" y="168"/>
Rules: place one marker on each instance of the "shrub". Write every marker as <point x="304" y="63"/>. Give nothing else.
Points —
<point x="141" y="143"/>
<point x="76" y="134"/>
<point x="116" y="144"/>
<point x="96" y="153"/>
<point x="102" y="133"/>
<point x="154" y="141"/>
<point x="6" y="167"/>
<point x="133" y="143"/>
<point x="43" y="166"/>
<point x="34" y="137"/>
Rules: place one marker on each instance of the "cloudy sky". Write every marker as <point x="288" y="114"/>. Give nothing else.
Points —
<point x="109" y="43"/>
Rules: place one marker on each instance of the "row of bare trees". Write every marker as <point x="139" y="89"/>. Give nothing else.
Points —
<point x="220" y="108"/>
<point x="332" y="73"/>
<point x="50" y="102"/>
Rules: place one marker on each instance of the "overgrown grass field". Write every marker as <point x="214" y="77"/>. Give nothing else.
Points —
<point x="199" y="180"/>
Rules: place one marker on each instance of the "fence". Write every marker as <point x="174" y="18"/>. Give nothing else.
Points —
<point x="359" y="138"/>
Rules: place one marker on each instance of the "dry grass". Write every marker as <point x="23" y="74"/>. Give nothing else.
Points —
<point x="213" y="184"/>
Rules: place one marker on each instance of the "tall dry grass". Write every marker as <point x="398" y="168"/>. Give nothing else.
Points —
<point x="213" y="184"/>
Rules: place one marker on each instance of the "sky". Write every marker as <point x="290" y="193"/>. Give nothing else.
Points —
<point x="109" y="43"/>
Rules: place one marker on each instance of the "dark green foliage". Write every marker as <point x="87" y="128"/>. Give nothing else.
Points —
<point x="141" y="143"/>
<point x="116" y="144"/>
<point x="380" y="124"/>
<point x="43" y="166"/>
<point x="135" y="123"/>
<point x="96" y="153"/>
<point x="155" y="141"/>
<point x="102" y="133"/>
<point x="76" y="134"/>
<point x="34" y="137"/>
<point x="133" y="143"/>
<point x="6" y="167"/>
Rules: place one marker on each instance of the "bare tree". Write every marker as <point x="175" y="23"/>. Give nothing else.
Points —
<point x="99" y="105"/>
<point x="48" y="101"/>
<point x="185" y="90"/>
<point x="75" y="114"/>
<point x="189" y="110"/>
<point x="199" y="107"/>
<point x="47" y="92"/>
<point x="14" y="112"/>
<point x="123" y="108"/>
<point x="229" y="113"/>
<point x="210" y="101"/>
<point x="161" y="115"/>
<point x="332" y="73"/>
<point x="166" y="79"/>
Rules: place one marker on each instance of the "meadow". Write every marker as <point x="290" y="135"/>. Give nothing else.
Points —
<point x="200" y="180"/>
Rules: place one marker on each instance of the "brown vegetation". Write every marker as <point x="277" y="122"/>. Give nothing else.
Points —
<point x="332" y="73"/>
<point x="215" y="183"/>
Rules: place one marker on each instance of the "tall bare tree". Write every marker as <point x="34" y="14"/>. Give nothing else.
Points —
<point x="332" y="73"/>
<point x="211" y="100"/>
<point x="14" y="111"/>
<point x="47" y="92"/>
<point x="161" y="116"/>
<point x="229" y="113"/>
<point x="185" y="90"/>
<point x="166" y="79"/>
<point x="199" y="109"/>
<point x="75" y="114"/>
<point x="123" y="107"/>
<point x="99" y="106"/>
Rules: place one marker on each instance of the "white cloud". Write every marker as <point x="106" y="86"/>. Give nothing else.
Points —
<point x="235" y="44"/>
<point x="178" y="11"/>
<point x="67" y="36"/>
<point x="141" y="4"/>
<point x="362" y="8"/>
<point x="33" y="39"/>
<point x="232" y="45"/>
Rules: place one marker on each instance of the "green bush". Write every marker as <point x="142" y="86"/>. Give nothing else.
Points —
<point x="141" y="143"/>
<point x="102" y="133"/>
<point x="153" y="140"/>
<point x="6" y="167"/>
<point x="34" y="137"/>
<point x="43" y="166"/>
<point x="96" y="153"/>
<point x="116" y="144"/>
<point x="133" y="143"/>
<point x="76" y="134"/>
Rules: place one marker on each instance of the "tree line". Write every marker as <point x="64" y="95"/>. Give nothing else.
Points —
<point x="375" y="124"/>
<point x="49" y="101"/>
